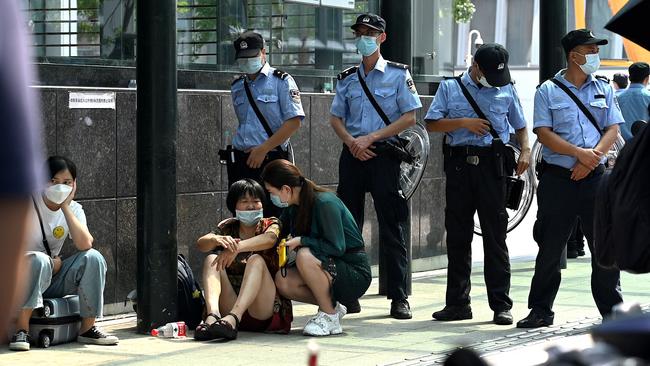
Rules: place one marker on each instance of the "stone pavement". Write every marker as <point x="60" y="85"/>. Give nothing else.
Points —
<point x="370" y="338"/>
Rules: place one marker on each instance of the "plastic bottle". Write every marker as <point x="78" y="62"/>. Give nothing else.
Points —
<point x="312" y="350"/>
<point x="170" y="330"/>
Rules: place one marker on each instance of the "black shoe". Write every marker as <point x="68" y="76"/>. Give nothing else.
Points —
<point x="581" y="252"/>
<point x="453" y="312"/>
<point x="535" y="320"/>
<point x="502" y="317"/>
<point x="353" y="307"/>
<point x="400" y="309"/>
<point x="572" y="254"/>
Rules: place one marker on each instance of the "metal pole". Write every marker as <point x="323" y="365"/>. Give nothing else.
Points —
<point x="553" y="26"/>
<point x="156" y="162"/>
<point x="397" y="48"/>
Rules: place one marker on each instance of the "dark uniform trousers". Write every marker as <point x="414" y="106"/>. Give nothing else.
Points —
<point x="380" y="177"/>
<point x="471" y="188"/>
<point x="560" y="200"/>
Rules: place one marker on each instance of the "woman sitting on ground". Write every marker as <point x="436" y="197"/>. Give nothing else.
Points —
<point x="84" y="273"/>
<point x="331" y="264"/>
<point x="238" y="281"/>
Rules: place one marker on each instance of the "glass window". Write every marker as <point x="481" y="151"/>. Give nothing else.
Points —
<point x="432" y="37"/>
<point x="520" y="31"/>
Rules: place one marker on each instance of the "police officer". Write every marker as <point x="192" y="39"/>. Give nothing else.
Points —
<point x="367" y="162"/>
<point x="572" y="167"/>
<point x="276" y="96"/>
<point x="476" y="177"/>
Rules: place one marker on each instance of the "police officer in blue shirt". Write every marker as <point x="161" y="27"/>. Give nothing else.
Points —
<point x="476" y="179"/>
<point x="635" y="100"/>
<point x="277" y="97"/>
<point x="573" y="163"/>
<point x="367" y="163"/>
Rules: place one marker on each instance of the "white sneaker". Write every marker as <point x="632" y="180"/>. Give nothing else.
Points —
<point x="95" y="335"/>
<point x="323" y="324"/>
<point x="20" y="341"/>
<point x="341" y="310"/>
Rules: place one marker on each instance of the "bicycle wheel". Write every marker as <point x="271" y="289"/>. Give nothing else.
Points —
<point x="515" y="217"/>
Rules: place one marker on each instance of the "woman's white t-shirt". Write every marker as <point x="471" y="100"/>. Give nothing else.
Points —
<point x="55" y="226"/>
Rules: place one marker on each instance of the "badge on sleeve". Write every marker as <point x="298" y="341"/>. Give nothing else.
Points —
<point x="295" y="95"/>
<point x="411" y="85"/>
<point x="58" y="232"/>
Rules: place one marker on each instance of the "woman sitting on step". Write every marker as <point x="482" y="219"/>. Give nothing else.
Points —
<point x="238" y="274"/>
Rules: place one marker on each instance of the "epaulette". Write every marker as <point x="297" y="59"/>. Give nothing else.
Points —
<point x="398" y="65"/>
<point x="280" y="74"/>
<point x="237" y="78"/>
<point x="347" y="72"/>
<point x="602" y="78"/>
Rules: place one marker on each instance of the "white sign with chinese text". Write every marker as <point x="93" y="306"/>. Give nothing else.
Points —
<point x="92" y="100"/>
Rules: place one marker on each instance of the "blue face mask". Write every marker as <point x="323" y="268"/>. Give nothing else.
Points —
<point x="275" y="199"/>
<point x="249" y="218"/>
<point x="367" y="45"/>
<point x="250" y="65"/>
<point x="592" y="64"/>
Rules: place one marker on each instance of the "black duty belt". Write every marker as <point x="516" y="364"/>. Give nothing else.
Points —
<point x="566" y="173"/>
<point x="471" y="153"/>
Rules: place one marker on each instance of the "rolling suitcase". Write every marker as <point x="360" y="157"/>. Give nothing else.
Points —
<point x="58" y="321"/>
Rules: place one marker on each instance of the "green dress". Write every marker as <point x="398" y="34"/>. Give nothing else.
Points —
<point x="336" y="241"/>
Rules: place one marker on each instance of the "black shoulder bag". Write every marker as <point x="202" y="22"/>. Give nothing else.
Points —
<point x="40" y="221"/>
<point x="504" y="156"/>
<point x="398" y="149"/>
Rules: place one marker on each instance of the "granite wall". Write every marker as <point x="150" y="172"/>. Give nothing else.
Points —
<point x="103" y="145"/>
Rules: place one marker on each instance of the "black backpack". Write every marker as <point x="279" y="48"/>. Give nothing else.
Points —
<point x="191" y="302"/>
<point x="622" y="210"/>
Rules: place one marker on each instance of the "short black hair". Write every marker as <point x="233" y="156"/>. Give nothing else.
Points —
<point x="638" y="72"/>
<point x="56" y="164"/>
<point x="240" y="189"/>
<point x="620" y="80"/>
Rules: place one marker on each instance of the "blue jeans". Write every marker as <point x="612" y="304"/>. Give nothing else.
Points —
<point x="83" y="274"/>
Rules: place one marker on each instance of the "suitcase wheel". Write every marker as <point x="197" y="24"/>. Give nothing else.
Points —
<point x="44" y="340"/>
<point x="47" y="311"/>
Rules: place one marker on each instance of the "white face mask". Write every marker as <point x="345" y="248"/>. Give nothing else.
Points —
<point x="592" y="64"/>
<point x="58" y="193"/>
<point x="484" y="82"/>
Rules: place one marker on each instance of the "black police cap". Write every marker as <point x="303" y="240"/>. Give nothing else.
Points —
<point x="492" y="59"/>
<point x="370" y="20"/>
<point x="248" y="44"/>
<point x="639" y="71"/>
<point x="580" y="37"/>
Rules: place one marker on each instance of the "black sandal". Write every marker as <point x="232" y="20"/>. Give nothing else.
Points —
<point x="223" y="329"/>
<point x="202" y="331"/>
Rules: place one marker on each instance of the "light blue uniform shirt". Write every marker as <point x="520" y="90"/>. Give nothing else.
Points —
<point x="278" y="99"/>
<point x="555" y="109"/>
<point x="500" y="105"/>
<point x="634" y="103"/>
<point x="392" y="88"/>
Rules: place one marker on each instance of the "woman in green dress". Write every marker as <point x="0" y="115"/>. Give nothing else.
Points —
<point x="331" y="264"/>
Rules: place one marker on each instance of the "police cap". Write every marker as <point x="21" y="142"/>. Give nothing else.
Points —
<point x="248" y="44"/>
<point x="370" y="20"/>
<point x="492" y="59"/>
<point x="579" y="37"/>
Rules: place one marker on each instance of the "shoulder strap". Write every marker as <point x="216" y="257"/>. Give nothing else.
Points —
<point x="280" y="74"/>
<point x="40" y="221"/>
<point x="258" y="113"/>
<point x="236" y="79"/>
<point x="578" y="102"/>
<point x="398" y="65"/>
<point x="380" y="111"/>
<point x="476" y="108"/>
<point x="347" y="72"/>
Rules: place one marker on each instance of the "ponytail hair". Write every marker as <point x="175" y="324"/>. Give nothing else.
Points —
<point x="280" y="173"/>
